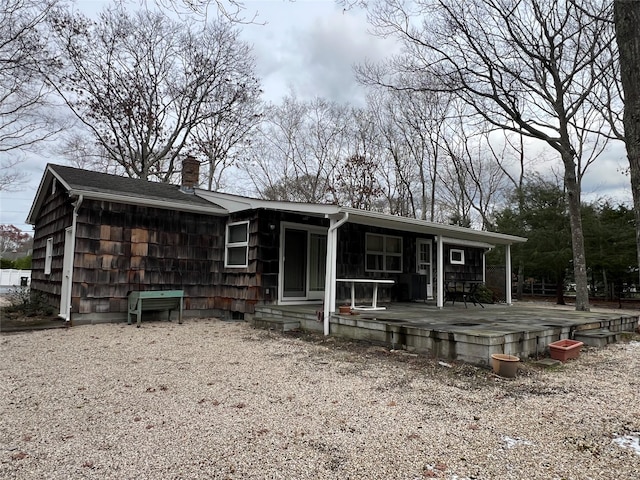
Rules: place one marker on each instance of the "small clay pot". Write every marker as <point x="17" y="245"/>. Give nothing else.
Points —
<point x="505" y="365"/>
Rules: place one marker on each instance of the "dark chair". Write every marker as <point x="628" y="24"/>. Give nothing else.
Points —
<point x="471" y="294"/>
<point x="465" y="292"/>
<point x="453" y="293"/>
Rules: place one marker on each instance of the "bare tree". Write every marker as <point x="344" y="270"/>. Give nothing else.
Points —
<point x="298" y="150"/>
<point x="397" y="175"/>
<point x="421" y="120"/>
<point x="82" y="150"/>
<point x="26" y="116"/>
<point x="222" y="138"/>
<point x="358" y="178"/>
<point x="142" y="82"/>
<point x="11" y="177"/>
<point x="406" y="128"/>
<point x="232" y="10"/>
<point x="470" y="174"/>
<point x="356" y="183"/>
<point x="523" y="65"/>
<point x="226" y="133"/>
<point x="627" y="19"/>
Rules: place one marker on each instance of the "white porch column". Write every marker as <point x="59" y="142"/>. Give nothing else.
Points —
<point x="440" y="272"/>
<point x="507" y="276"/>
<point x="484" y="267"/>
<point x="330" y="276"/>
<point x="330" y="273"/>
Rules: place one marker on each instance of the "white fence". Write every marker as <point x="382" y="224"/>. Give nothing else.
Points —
<point x="10" y="278"/>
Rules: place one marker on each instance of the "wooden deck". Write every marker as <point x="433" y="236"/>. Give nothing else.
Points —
<point x="470" y="334"/>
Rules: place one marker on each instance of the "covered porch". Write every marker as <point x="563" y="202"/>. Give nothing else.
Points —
<point x="454" y="332"/>
<point x="444" y="254"/>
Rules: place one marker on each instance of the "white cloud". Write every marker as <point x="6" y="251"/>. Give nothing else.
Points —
<point x="311" y="47"/>
<point x="607" y="178"/>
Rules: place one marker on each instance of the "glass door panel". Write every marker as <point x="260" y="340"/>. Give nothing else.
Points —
<point x="317" y="263"/>
<point x="295" y="263"/>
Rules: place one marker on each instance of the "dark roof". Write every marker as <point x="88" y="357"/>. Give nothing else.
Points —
<point x="130" y="191"/>
<point x="104" y="183"/>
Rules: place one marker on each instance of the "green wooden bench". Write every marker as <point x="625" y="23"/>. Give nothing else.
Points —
<point x="154" y="301"/>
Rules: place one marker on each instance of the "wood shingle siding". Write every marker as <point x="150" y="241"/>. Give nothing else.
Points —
<point x="141" y="248"/>
<point x="54" y="218"/>
<point x="120" y="248"/>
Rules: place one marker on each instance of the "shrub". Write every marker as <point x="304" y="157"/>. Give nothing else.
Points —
<point x="484" y="294"/>
<point x="22" y="263"/>
<point x="29" y="303"/>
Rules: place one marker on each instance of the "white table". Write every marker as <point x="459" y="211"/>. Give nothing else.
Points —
<point x="373" y="281"/>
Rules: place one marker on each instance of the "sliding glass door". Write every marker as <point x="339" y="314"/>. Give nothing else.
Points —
<point x="303" y="262"/>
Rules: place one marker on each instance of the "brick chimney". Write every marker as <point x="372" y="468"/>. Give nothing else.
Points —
<point x="190" y="173"/>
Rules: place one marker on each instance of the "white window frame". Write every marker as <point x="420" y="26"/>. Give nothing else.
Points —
<point x="244" y="244"/>
<point x="48" y="256"/>
<point x="384" y="253"/>
<point x="455" y="261"/>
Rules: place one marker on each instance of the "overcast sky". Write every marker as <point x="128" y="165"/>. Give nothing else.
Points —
<point x="309" y="47"/>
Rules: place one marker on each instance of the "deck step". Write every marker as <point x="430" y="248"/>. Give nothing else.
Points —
<point x="277" y="324"/>
<point x="597" y="338"/>
<point x="266" y="312"/>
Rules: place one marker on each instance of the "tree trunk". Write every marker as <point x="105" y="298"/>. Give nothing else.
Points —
<point x="560" y="291"/>
<point x="577" y="237"/>
<point x="520" y="285"/>
<point x="627" y="19"/>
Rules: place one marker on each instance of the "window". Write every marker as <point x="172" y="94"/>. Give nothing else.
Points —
<point x="456" y="256"/>
<point x="384" y="253"/>
<point x="48" y="256"/>
<point x="237" y="245"/>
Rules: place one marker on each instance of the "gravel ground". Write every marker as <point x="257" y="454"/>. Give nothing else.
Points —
<point x="212" y="399"/>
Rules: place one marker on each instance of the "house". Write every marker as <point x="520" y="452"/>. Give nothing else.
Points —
<point x="98" y="237"/>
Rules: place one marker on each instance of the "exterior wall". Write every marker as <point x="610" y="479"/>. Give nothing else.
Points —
<point x="472" y="268"/>
<point x="409" y="284"/>
<point x="55" y="216"/>
<point x="351" y="263"/>
<point x="120" y="248"/>
<point x="266" y="241"/>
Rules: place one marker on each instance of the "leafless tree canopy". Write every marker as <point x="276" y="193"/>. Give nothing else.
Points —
<point x="142" y="82"/>
<point x="403" y="153"/>
<point x="523" y="65"/>
<point x="26" y="117"/>
<point x="224" y="137"/>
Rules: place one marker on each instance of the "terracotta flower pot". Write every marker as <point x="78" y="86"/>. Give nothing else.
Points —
<point x="505" y="365"/>
<point x="564" y="350"/>
<point x="345" y="310"/>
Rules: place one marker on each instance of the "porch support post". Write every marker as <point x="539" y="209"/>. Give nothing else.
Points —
<point x="440" y="272"/>
<point x="507" y="274"/>
<point x="484" y="267"/>
<point x="330" y="274"/>
<point x="330" y="281"/>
